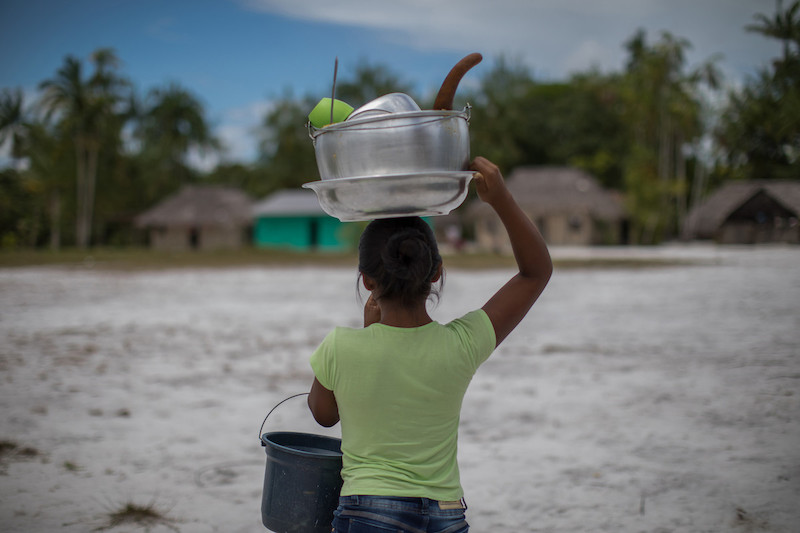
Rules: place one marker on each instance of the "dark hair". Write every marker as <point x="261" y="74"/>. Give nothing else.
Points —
<point x="401" y="256"/>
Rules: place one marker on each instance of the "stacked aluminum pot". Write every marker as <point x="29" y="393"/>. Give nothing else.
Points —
<point x="390" y="158"/>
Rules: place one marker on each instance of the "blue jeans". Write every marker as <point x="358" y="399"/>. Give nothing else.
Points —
<point x="381" y="514"/>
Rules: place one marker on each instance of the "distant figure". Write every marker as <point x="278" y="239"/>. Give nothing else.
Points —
<point x="453" y="236"/>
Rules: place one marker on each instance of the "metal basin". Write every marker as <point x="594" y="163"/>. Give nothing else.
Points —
<point x="391" y="144"/>
<point x="390" y="103"/>
<point x="371" y="197"/>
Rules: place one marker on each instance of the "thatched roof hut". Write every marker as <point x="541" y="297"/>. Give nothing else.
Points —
<point x="568" y="205"/>
<point x="199" y="217"/>
<point x="748" y="212"/>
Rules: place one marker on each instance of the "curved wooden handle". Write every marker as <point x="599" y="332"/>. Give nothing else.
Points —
<point x="444" y="100"/>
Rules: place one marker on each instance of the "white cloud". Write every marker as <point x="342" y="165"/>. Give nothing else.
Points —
<point x="554" y="37"/>
<point x="165" y="29"/>
<point x="237" y="131"/>
<point x="202" y="161"/>
<point x="590" y="55"/>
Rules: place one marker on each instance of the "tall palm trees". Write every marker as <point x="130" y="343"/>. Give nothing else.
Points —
<point x="80" y="120"/>
<point x="87" y="111"/>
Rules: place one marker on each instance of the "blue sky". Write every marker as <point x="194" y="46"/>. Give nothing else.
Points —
<point x="238" y="55"/>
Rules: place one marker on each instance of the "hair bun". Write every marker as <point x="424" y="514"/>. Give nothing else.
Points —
<point x="407" y="256"/>
<point x="401" y="256"/>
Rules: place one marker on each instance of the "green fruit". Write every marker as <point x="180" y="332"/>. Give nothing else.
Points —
<point x="320" y="116"/>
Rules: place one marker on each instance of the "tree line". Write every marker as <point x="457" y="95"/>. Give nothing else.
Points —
<point x="93" y="152"/>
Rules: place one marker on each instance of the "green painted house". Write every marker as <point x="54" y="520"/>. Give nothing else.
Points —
<point x="292" y="218"/>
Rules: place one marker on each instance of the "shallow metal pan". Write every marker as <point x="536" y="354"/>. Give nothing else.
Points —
<point x="397" y="195"/>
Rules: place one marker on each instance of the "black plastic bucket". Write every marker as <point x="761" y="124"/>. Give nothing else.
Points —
<point x="302" y="481"/>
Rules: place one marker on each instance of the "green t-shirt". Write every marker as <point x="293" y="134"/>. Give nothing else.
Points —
<point x="399" y="392"/>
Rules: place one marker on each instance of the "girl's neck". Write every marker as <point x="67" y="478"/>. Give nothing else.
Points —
<point x="394" y="314"/>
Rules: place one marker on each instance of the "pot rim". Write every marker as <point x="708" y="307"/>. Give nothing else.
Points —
<point x="434" y="115"/>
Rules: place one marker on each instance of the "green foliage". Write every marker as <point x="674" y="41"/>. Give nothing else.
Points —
<point x="18" y="199"/>
<point x="759" y="131"/>
<point x="663" y="111"/>
<point x="500" y="127"/>
<point x="367" y="83"/>
<point x="171" y="124"/>
<point x="252" y="179"/>
<point x="86" y="111"/>
<point x="518" y="121"/>
<point x="286" y="153"/>
<point x="12" y="120"/>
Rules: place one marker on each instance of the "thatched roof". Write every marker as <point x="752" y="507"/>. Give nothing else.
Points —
<point x="200" y="205"/>
<point x="289" y="202"/>
<point x="544" y="191"/>
<point x="704" y="220"/>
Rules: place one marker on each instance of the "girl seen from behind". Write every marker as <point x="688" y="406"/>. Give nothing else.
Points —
<point x="397" y="384"/>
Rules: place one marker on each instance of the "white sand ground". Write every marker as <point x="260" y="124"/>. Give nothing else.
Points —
<point x="629" y="400"/>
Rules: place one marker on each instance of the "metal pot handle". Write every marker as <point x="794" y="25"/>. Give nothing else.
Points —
<point x="276" y="406"/>
<point x="311" y="129"/>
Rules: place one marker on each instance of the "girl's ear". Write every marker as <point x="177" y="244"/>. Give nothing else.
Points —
<point x="438" y="274"/>
<point x="369" y="283"/>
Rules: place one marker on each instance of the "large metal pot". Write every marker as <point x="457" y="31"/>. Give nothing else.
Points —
<point x="396" y="143"/>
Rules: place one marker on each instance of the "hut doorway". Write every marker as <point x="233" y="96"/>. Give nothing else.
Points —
<point x="194" y="238"/>
<point x="313" y="234"/>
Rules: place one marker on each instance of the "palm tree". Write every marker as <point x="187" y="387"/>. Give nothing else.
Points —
<point x="12" y="121"/>
<point x="759" y="130"/>
<point x="49" y="162"/>
<point x="86" y="111"/>
<point x="41" y="147"/>
<point x="173" y="124"/>
<point x="785" y="26"/>
<point x="285" y="152"/>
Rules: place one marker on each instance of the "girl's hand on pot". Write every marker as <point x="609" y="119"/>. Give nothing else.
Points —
<point x="489" y="183"/>
<point x="372" y="312"/>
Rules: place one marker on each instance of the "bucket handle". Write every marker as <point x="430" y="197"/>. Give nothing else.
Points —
<point x="276" y="406"/>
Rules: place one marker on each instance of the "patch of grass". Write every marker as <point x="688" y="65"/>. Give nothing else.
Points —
<point x="29" y="452"/>
<point x="621" y="262"/>
<point x="748" y="522"/>
<point x="10" y="452"/>
<point x="10" y="448"/>
<point x="132" y="514"/>
<point x="7" y="447"/>
<point x="136" y="259"/>
<point x="132" y="259"/>
<point x="488" y="261"/>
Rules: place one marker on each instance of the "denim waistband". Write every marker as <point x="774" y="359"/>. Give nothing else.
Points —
<point x="401" y="502"/>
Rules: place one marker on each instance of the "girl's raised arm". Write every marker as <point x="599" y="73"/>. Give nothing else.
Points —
<point x="512" y="302"/>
